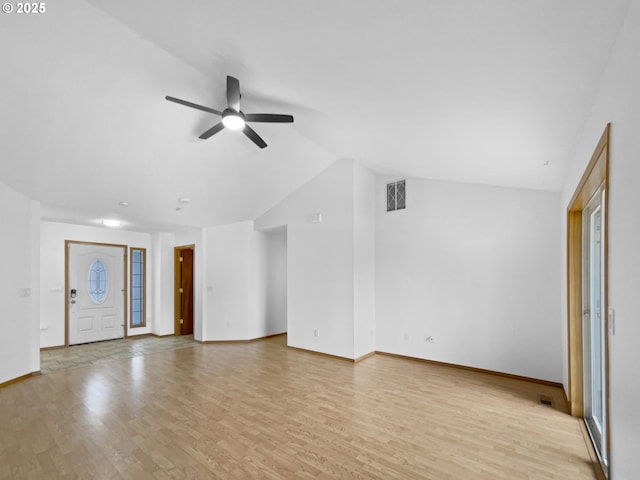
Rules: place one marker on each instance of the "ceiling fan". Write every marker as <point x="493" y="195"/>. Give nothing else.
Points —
<point x="233" y="118"/>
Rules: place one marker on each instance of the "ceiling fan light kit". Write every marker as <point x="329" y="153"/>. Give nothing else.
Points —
<point x="232" y="117"/>
<point x="233" y="120"/>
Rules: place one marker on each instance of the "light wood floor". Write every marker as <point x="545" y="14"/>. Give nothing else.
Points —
<point x="261" y="410"/>
<point x="76" y="356"/>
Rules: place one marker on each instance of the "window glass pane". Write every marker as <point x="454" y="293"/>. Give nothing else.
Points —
<point x="400" y="195"/>
<point x="391" y="197"/>
<point x="137" y="287"/>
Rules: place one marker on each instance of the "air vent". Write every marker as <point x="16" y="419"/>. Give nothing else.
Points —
<point x="396" y="196"/>
<point x="545" y="400"/>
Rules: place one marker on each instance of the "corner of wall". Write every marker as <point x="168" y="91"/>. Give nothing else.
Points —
<point x="363" y="260"/>
<point x="34" y="236"/>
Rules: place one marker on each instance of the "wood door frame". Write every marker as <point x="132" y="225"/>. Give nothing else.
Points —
<point x="67" y="245"/>
<point x="177" y="330"/>
<point x="595" y="176"/>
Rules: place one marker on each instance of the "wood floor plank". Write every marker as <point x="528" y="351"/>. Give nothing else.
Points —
<point x="261" y="410"/>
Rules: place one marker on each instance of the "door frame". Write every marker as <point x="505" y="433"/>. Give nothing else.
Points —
<point x="177" y="330"/>
<point x="595" y="176"/>
<point x="67" y="245"/>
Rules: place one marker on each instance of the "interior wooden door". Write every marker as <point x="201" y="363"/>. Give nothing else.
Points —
<point x="186" y="303"/>
<point x="183" y="298"/>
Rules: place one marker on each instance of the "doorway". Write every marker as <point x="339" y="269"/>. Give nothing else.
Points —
<point x="587" y="300"/>
<point x="95" y="279"/>
<point x="183" y="288"/>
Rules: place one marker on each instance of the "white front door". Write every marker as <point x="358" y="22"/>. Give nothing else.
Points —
<point x="96" y="292"/>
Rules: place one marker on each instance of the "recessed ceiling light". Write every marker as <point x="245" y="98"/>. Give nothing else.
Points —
<point x="111" y="223"/>
<point x="123" y="204"/>
<point x="184" y="199"/>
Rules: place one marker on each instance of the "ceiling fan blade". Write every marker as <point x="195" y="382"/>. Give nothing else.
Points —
<point x="255" y="138"/>
<point x="212" y="131"/>
<point x="193" y="105"/>
<point x="233" y="93"/>
<point x="268" y="118"/>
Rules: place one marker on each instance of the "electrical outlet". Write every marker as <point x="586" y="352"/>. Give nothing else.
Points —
<point x="406" y="336"/>
<point x="429" y="339"/>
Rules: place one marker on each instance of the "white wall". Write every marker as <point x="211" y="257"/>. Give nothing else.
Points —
<point x="475" y="267"/>
<point x="276" y="282"/>
<point x="228" y="288"/>
<point x="618" y="102"/>
<point x="330" y="264"/>
<point x="19" y="285"/>
<point x="246" y="282"/>
<point x="363" y="261"/>
<point x="268" y="277"/>
<point x="162" y="272"/>
<point x="34" y="245"/>
<point x="52" y="267"/>
<point x="319" y="261"/>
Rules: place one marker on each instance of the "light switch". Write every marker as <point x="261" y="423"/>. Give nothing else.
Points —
<point x="612" y="321"/>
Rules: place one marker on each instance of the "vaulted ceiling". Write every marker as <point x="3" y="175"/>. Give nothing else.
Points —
<point x="492" y="92"/>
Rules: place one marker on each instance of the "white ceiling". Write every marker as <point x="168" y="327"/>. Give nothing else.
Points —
<point x="466" y="90"/>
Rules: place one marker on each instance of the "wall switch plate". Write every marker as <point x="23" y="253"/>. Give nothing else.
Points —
<point x="316" y="333"/>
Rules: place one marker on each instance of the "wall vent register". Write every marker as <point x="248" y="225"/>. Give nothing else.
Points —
<point x="396" y="196"/>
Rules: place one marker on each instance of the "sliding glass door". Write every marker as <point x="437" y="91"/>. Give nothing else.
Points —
<point x="594" y="324"/>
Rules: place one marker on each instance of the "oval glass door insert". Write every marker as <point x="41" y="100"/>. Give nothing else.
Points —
<point x="98" y="285"/>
